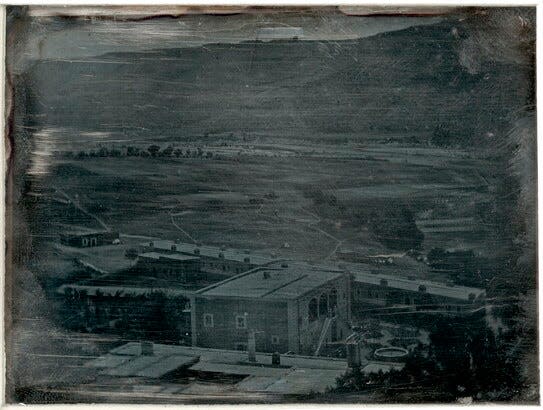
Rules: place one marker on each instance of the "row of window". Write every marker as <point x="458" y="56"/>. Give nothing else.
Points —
<point x="241" y="321"/>
<point x="220" y="266"/>
<point x="373" y="294"/>
<point x="407" y="300"/>
<point x="242" y="346"/>
<point x="167" y="270"/>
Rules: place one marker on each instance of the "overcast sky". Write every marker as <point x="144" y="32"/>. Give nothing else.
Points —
<point x="54" y="38"/>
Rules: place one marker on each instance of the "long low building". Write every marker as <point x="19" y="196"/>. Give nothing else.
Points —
<point x="416" y="294"/>
<point x="177" y="267"/>
<point x="368" y="287"/>
<point x="214" y="259"/>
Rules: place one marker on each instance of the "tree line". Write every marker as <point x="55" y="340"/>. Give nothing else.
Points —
<point x="151" y="151"/>
<point x="465" y="359"/>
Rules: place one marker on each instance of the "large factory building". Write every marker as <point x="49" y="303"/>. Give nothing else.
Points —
<point x="294" y="307"/>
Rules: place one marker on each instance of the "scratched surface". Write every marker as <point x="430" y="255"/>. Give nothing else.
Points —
<point x="395" y="148"/>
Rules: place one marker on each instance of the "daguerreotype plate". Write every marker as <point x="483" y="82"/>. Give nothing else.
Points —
<point x="271" y="205"/>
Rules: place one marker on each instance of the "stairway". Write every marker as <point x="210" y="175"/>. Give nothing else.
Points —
<point x="324" y="333"/>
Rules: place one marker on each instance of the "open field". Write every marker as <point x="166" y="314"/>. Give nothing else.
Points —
<point x="250" y="200"/>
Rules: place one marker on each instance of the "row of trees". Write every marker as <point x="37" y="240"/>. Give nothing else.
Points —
<point x="391" y="222"/>
<point x="152" y="316"/>
<point x="394" y="225"/>
<point x="151" y="151"/>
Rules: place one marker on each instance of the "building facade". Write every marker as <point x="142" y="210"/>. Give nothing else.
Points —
<point x="174" y="267"/>
<point x="380" y="291"/>
<point x="289" y="307"/>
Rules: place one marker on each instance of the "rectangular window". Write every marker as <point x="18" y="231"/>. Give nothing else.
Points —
<point x="241" y="322"/>
<point x="275" y="340"/>
<point x="208" y="320"/>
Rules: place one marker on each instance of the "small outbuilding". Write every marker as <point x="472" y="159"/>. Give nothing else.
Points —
<point x="85" y="239"/>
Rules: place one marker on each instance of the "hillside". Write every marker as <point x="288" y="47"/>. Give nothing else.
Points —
<point x="398" y="83"/>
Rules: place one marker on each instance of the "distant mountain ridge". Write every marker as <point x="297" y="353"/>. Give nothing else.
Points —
<point x="403" y="82"/>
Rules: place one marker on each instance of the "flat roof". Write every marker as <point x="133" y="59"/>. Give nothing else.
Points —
<point x="297" y="374"/>
<point x="172" y="256"/>
<point x="238" y="255"/>
<point x="150" y="366"/>
<point x="412" y="285"/>
<point x="279" y="281"/>
<point x="87" y="231"/>
<point x="232" y="357"/>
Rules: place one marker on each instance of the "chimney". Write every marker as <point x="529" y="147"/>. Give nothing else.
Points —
<point x="147" y="349"/>
<point x="251" y="347"/>
<point x="353" y="352"/>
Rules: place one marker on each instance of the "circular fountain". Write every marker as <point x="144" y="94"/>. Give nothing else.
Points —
<point x="391" y="354"/>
